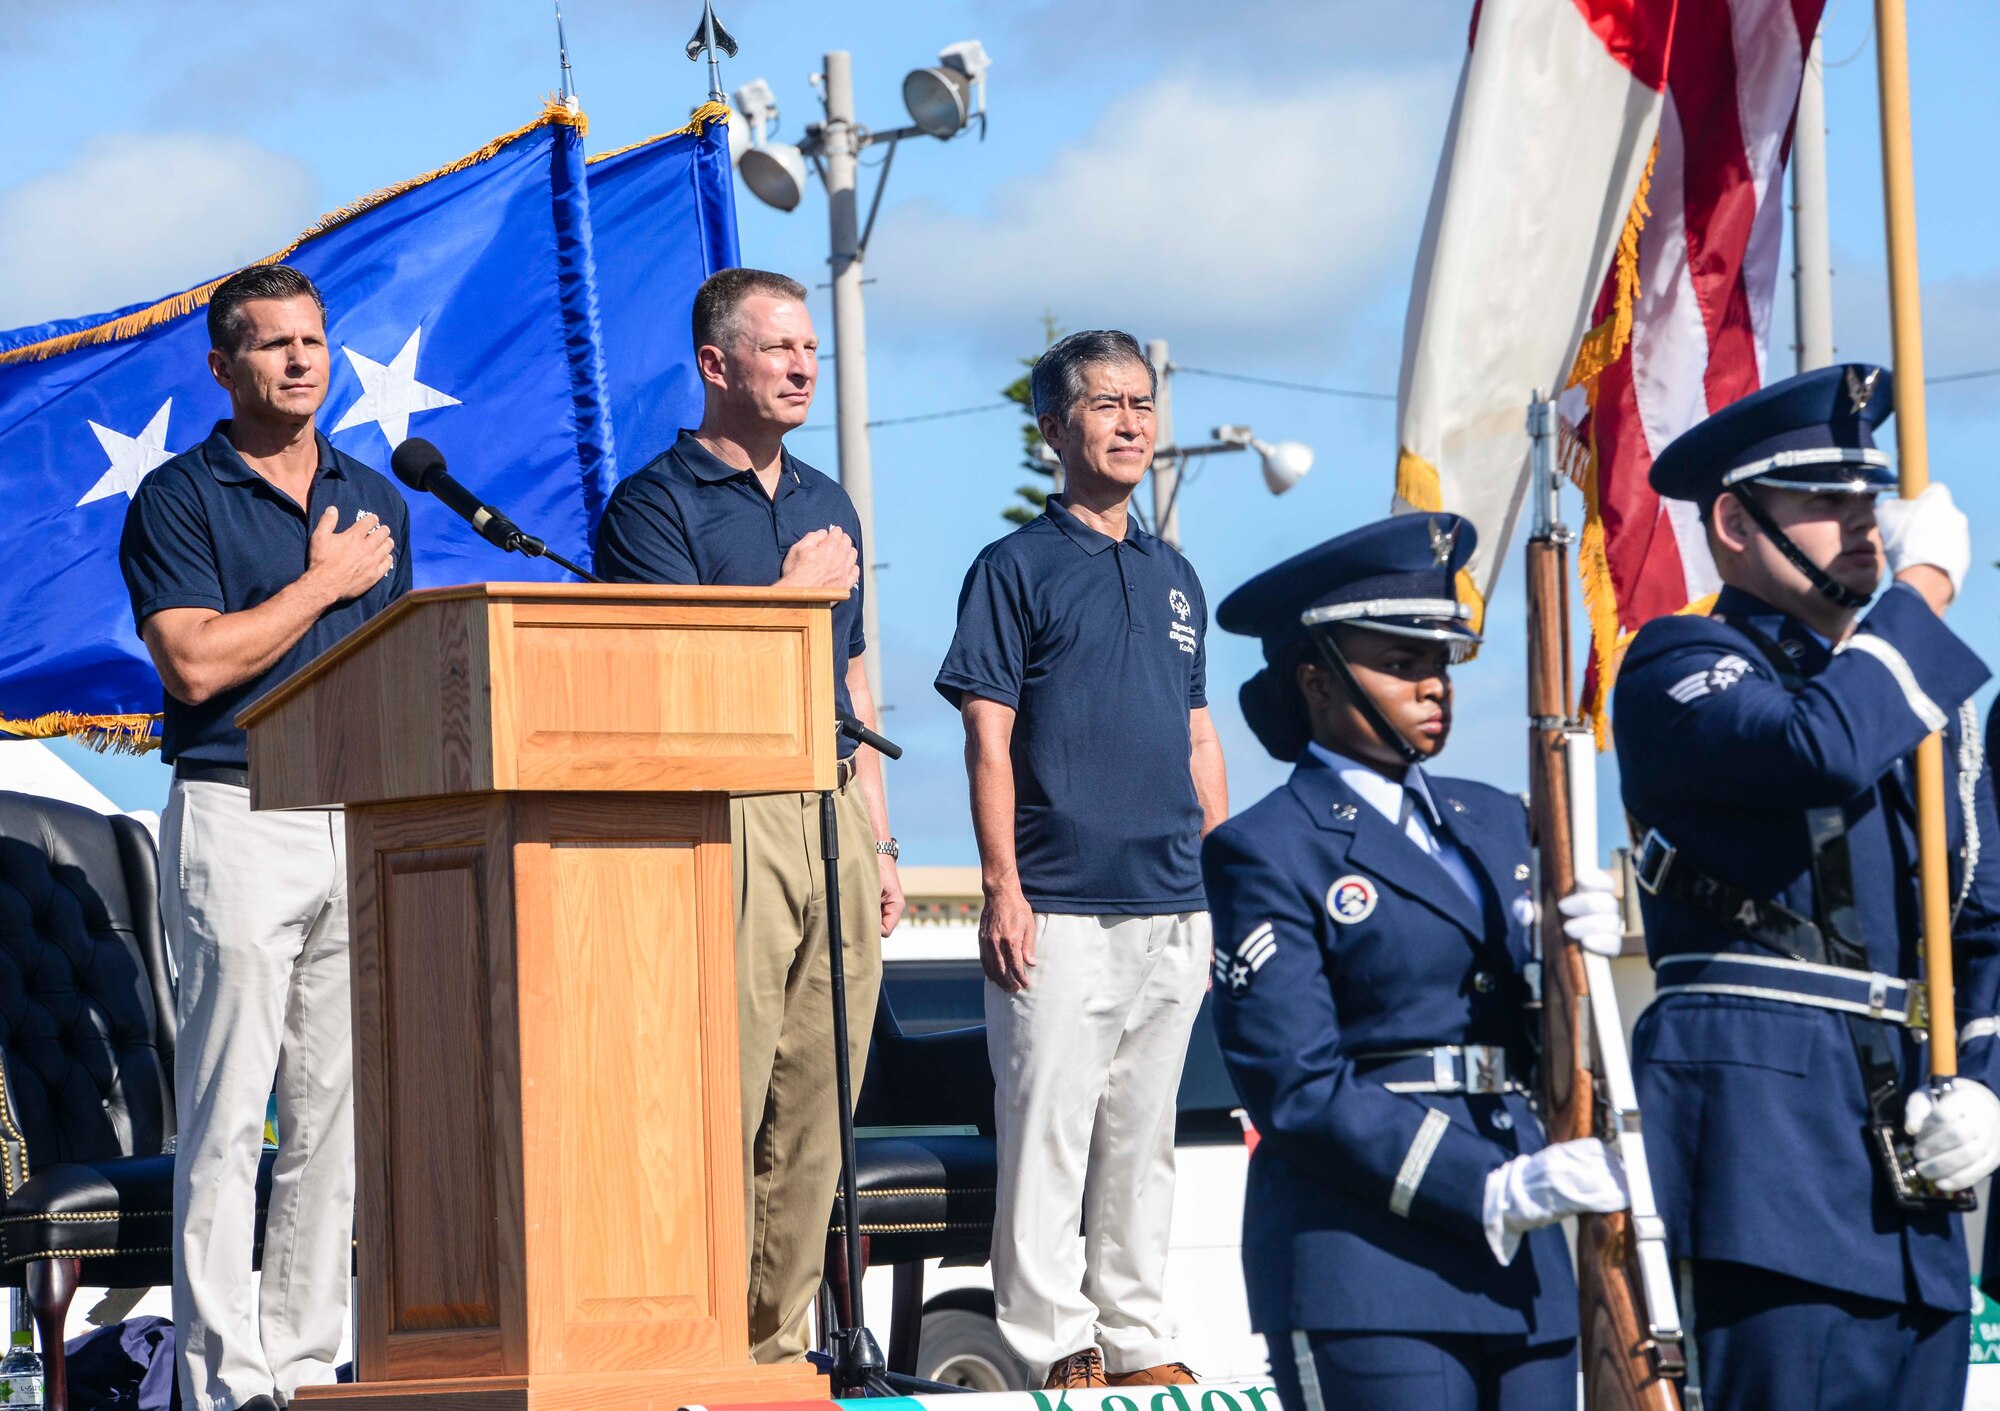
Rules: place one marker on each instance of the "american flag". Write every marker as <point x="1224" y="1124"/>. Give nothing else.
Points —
<point x="1683" y="321"/>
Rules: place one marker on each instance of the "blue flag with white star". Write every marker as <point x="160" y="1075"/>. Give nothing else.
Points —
<point x="663" y="214"/>
<point x="461" y="307"/>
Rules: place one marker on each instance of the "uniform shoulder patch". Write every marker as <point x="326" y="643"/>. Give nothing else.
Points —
<point x="1234" y="971"/>
<point x="1351" y="898"/>
<point x="1710" y="680"/>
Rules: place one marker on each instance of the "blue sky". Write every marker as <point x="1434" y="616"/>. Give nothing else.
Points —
<point x="1246" y="181"/>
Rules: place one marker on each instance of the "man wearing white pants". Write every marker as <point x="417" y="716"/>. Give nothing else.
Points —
<point x="1079" y="669"/>
<point x="246" y="557"/>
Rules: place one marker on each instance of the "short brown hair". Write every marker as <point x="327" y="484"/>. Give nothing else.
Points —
<point x="722" y="294"/>
<point x="225" y="305"/>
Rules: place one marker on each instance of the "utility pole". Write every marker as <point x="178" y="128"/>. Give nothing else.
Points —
<point x="1812" y="262"/>
<point x="1166" y="470"/>
<point x="850" y="340"/>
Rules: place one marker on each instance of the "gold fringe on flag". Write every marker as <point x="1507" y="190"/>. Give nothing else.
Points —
<point x="1417" y="486"/>
<point x="1602" y="346"/>
<point x="555" y="112"/>
<point x="697" y="121"/>
<point x="107" y="734"/>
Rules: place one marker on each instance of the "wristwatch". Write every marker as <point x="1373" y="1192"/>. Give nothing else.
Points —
<point x="890" y="849"/>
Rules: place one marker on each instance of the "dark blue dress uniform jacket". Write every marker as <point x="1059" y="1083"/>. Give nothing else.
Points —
<point x="1754" y="1109"/>
<point x="1322" y="1247"/>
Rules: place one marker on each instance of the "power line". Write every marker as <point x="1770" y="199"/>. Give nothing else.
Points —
<point x="925" y="416"/>
<point x="1350" y="392"/>
<point x="1288" y="386"/>
<point x="1962" y="376"/>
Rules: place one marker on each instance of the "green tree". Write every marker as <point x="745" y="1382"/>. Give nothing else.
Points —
<point x="1031" y="497"/>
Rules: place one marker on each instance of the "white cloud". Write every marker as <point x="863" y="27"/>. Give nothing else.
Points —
<point x="1223" y="222"/>
<point x="138" y="216"/>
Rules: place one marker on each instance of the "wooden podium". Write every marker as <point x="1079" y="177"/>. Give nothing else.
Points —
<point x="536" y="777"/>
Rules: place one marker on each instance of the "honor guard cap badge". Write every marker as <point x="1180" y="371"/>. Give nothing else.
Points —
<point x="1351" y="899"/>
<point x="1861" y="388"/>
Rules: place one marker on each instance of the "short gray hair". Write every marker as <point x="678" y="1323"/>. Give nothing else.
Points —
<point x="1057" y="380"/>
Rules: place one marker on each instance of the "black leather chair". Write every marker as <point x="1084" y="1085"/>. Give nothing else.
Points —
<point x="87" y="1021"/>
<point x="921" y="1196"/>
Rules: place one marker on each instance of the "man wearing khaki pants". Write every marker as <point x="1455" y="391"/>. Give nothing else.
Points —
<point x="729" y="504"/>
<point x="1078" y="667"/>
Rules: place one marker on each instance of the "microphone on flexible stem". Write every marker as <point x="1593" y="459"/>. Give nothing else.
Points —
<point x="855" y="730"/>
<point x="420" y="465"/>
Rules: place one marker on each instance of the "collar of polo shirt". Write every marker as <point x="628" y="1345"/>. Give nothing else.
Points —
<point x="227" y="465"/>
<point x="1091" y="541"/>
<point x="706" y="465"/>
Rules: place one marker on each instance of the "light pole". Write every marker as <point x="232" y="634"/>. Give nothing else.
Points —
<point x="1285" y="463"/>
<point x="1812" y="264"/>
<point x="943" y="101"/>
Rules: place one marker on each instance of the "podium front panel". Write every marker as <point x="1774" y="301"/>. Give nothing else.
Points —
<point x="546" y="1091"/>
<point x="613" y="696"/>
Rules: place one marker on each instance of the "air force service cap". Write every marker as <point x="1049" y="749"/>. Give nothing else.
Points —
<point x="1397" y="575"/>
<point x="1813" y="432"/>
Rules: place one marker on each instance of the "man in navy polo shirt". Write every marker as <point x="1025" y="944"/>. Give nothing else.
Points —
<point x="1078" y="667"/>
<point x="728" y="504"/>
<point x="247" y="557"/>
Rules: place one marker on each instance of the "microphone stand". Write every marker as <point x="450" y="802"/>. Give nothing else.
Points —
<point x="531" y="547"/>
<point x="853" y="1360"/>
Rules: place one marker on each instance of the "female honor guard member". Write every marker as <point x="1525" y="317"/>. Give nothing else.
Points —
<point x="1371" y="925"/>
<point x="1763" y="748"/>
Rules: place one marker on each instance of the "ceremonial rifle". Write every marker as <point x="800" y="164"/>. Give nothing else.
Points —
<point x="1628" y="1316"/>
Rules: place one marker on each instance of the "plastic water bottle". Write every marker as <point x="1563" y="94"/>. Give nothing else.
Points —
<point x="21" y="1374"/>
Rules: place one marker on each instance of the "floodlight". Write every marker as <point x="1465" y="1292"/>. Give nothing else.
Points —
<point x="739" y="136"/>
<point x="775" y="174"/>
<point x="942" y="99"/>
<point x="1285" y="464"/>
<point x="759" y="106"/>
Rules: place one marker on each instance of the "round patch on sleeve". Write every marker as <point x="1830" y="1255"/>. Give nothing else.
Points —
<point x="1351" y="899"/>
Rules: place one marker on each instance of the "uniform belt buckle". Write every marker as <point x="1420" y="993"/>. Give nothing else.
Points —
<point x="1444" y="1070"/>
<point x="1656" y="855"/>
<point x="1485" y="1068"/>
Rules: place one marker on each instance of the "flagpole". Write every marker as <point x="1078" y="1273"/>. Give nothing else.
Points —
<point x="1913" y="456"/>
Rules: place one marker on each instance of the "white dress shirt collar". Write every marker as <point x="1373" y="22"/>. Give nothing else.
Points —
<point x="1379" y="791"/>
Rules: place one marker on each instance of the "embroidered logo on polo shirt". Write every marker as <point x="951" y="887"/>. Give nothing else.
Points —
<point x="1351" y="899"/>
<point x="1181" y="634"/>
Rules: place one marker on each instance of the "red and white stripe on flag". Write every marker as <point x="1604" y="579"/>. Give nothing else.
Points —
<point x="1550" y="130"/>
<point x="1682" y="324"/>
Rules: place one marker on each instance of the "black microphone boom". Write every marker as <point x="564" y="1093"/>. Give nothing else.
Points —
<point x="420" y="465"/>
<point x="852" y="728"/>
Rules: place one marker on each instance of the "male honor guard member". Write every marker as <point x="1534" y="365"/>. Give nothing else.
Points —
<point x="1372" y="922"/>
<point x="1805" y="1171"/>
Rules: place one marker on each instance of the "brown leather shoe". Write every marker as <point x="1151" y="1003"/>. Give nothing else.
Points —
<point x="1167" y="1374"/>
<point x="1076" y="1371"/>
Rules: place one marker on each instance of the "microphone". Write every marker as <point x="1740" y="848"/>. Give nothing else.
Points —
<point x="855" y="730"/>
<point x="420" y="465"/>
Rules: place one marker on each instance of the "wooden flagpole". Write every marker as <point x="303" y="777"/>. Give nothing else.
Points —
<point x="1913" y="457"/>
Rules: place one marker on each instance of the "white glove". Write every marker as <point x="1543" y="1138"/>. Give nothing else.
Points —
<point x="1957" y="1132"/>
<point x="1592" y="914"/>
<point x="1929" y="529"/>
<point x="1530" y="1192"/>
